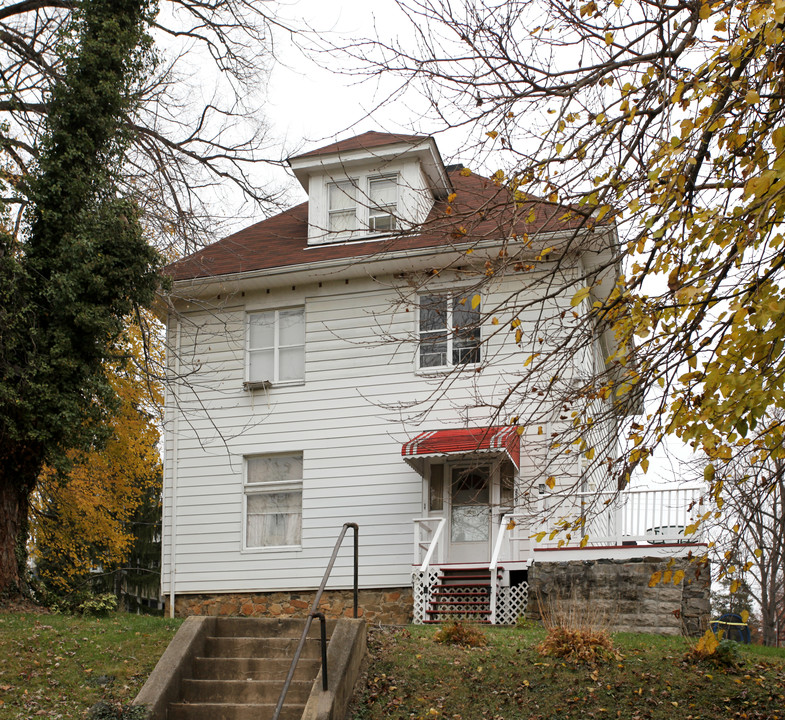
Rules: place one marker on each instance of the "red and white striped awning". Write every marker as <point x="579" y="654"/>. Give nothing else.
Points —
<point x="465" y="441"/>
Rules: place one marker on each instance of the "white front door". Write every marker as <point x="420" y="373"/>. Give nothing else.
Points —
<point x="470" y="514"/>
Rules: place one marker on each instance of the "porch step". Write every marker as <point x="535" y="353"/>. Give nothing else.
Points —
<point x="464" y="587"/>
<point x="461" y="594"/>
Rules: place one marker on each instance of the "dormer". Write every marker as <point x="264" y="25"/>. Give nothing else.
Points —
<point x="369" y="186"/>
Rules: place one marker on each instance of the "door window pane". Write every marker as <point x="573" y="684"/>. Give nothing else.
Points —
<point x="470" y="511"/>
<point x="469" y="523"/>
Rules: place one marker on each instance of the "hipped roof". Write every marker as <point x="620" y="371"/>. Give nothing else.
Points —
<point x="481" y="210"/>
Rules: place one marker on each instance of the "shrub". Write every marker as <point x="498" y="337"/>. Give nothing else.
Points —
<point x="456" y="633"/>
<point x="98" y="605"/>
<point x="720" y="653"/>
<point x="576" y="633"/>
<point x="589" y="646"/>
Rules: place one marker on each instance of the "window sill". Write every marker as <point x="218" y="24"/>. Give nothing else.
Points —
<point x="272" y="549"/>
<point x="447" y="370"/>
<point x="251" y="386"/>
<point x="351" y="237"/>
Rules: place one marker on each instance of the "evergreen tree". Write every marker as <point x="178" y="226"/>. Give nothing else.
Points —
<point x="80" y="267"/>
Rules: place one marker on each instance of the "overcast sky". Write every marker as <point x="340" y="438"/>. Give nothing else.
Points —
<point x="311" y="102"/>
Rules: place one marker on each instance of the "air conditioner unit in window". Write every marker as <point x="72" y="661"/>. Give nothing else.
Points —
<point x="257" y="384"/>
<point x="382" y="223"/>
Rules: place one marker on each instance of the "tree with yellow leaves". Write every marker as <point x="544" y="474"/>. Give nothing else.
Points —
<point x="82" y="522"/>
<point x="667" y="120"/>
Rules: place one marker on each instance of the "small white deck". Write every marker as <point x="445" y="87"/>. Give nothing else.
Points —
<point x="608" y="526"/>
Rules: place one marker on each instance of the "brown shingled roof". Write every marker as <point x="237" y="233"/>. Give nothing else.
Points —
<point x="366" y="141"/>
<point x="481" y="210"/>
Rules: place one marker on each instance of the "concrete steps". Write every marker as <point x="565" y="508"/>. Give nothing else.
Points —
<point x="244" y="691"/>
<point x="220" y="668"/>
<point x="230" y="711"/>
<point x="240" y="670"/>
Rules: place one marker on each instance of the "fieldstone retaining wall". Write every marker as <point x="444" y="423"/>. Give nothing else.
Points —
<point x="390" y="606"/>
<point x="616" y="594"/>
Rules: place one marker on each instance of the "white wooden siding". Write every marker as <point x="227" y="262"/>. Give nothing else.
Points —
<point x="345" y="419"/>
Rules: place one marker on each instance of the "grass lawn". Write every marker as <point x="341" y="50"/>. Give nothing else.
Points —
<point x="59" y="666"/>
<point x="412" y="676"/>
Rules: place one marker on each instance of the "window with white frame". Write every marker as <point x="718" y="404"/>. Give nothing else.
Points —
<point x="273" y="500"/>
<point x="449" y="331"/>
<point x="383" y="205"/>
<point x="342" y="206"/>
<point x="276" y="346"/>
<point x="364" y="202"/>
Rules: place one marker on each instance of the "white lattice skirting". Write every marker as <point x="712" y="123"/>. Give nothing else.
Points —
<point x="423" y="584"/>
<point x="511" y="601"/>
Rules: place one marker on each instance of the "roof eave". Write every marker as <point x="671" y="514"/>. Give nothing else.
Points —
<point x="357" y="266"/>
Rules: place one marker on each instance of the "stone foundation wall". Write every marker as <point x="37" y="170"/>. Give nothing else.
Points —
<point x="387" y="606"/>
<point x="616" y="594"/>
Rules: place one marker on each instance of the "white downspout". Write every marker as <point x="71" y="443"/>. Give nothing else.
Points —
<point x="175" y="446"/>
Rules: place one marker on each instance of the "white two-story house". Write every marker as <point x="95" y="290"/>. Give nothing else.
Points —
<point x="365" y="357"/>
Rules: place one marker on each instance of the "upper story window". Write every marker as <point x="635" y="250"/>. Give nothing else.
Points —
<point x="449" y="331"/>
<point x="383" y="196"/>
<point x="363" y="204"/>
<point x="276" y="346"/>
<point x="342" y="206"/>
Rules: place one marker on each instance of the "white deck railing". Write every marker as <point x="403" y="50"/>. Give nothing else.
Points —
<point x="564" y="519"/>
<point x="607" y="518"/>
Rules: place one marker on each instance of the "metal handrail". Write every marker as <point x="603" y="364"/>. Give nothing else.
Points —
<point x="314" y="613"/>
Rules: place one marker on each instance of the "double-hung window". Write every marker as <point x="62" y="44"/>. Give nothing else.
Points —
<point x="363" y="204"/>
<point x="276" y="346"/>
<point x="383" y="205"/>
<point x="342" y="206"/>
<point x="273" y="500"/>
<point x="449" y="331"/>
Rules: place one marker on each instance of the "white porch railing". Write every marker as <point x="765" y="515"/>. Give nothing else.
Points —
<point x="427" y="533"/>
<point x="607" y="518"/>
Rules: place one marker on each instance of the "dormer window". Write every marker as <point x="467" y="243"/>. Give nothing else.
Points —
<point x="364" y="202"/>
<point x="342" y="206"/>
<point x="369" y="186"/>
<point x="383" y="206"/>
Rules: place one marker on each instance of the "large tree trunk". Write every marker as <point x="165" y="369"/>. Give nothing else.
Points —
<point x="19" y="468"/>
